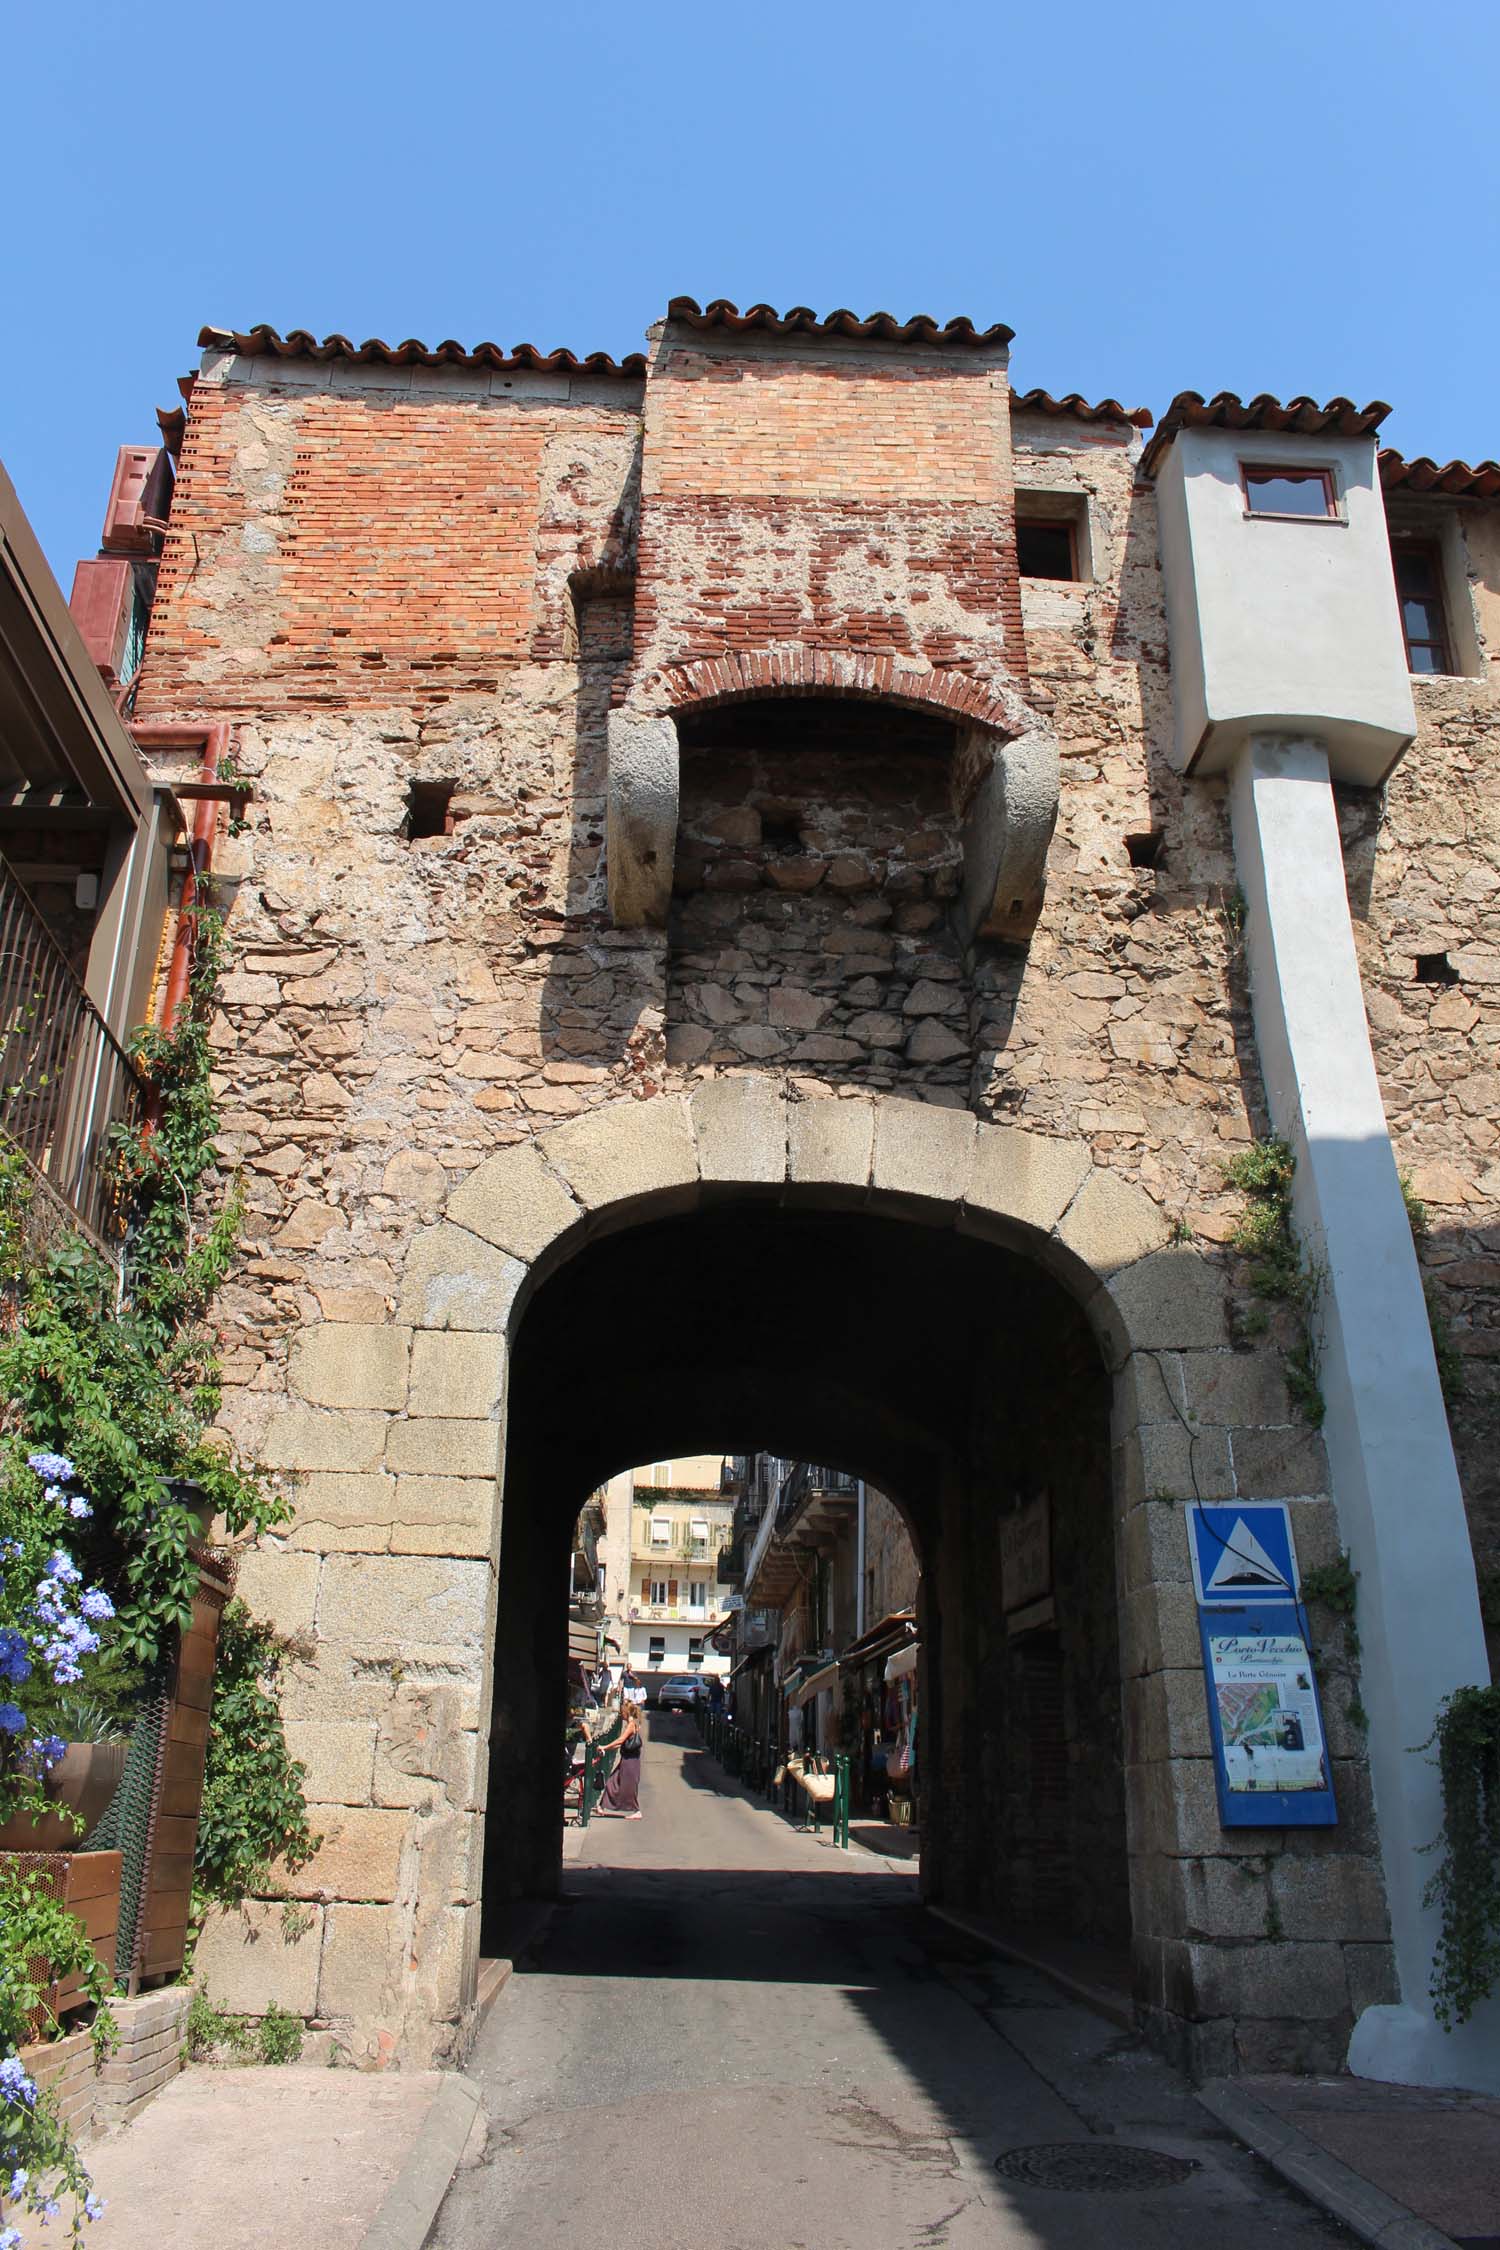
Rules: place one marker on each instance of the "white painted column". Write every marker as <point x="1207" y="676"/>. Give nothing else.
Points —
<point x="1390" y="1456"/>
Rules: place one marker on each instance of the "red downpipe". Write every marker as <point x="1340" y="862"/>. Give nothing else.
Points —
<point x="167" y="734"/>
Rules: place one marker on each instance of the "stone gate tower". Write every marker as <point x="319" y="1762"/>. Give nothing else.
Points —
<point x="786" y="803"/>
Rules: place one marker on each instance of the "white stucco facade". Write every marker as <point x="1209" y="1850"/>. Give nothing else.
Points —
<point x="1395" y="1482"/>
<point x="1281" y="623"/>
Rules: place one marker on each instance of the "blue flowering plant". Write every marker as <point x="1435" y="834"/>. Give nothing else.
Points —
<point x="53" y="1622"/>
<point x="40" y="2168"/>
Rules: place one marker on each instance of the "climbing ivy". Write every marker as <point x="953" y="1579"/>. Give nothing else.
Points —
<point x="121" y="1372"/>
<point x="1466" y="1885"/>
<point x="1279" y="1274"/>
<point x="253" y="1812"/>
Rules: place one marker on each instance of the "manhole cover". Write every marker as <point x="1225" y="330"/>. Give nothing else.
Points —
<point x="1093" y="2167"/>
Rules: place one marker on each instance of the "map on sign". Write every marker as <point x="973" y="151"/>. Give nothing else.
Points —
<point x="1242" y="1553"/>
<point x="1269" y="1723"/>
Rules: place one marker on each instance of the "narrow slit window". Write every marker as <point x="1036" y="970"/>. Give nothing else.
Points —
<point x="1274" y="491"/>
<point x="1424" y="621"/>
<point x="1045" y="549"/>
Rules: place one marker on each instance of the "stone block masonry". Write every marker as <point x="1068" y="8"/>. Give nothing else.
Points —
<point x="442" y="1066"/>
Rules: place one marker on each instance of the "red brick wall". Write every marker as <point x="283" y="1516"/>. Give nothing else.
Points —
<point x="334" y="550"/>
<point x="816" y="430"/>
<point x="854" y="500"/>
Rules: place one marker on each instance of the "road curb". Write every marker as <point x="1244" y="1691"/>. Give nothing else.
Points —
<point x="1345" y="2194"/>
<point x="405" y="2217"/>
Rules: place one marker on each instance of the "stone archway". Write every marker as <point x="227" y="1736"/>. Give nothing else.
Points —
<point x="418" y="1406"/>
<point x="530" y="1208"/>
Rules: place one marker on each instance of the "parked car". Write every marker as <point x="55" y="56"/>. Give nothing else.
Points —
<point x="679" y="1691"/>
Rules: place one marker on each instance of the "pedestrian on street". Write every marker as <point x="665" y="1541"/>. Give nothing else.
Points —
<point x="622" y="1794"/>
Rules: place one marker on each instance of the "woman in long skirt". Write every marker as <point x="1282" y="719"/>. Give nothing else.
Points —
<point x="622" y="1792"/>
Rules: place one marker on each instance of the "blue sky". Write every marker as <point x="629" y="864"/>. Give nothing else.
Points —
<point x="1154" y="197"/>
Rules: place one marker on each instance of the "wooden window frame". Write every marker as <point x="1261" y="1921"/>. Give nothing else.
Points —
<point x="1298" y="473"/>
<point x="1433" y="552"/>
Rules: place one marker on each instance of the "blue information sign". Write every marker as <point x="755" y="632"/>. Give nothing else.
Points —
<point x="1242" y="1552"/>
<point x="1271" y="1765"/>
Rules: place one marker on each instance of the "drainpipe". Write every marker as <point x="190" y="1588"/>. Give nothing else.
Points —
<point x="168" y="734"/>
<point x="860" y="1620"/>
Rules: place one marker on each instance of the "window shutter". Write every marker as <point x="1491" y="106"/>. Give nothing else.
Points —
<point x="645" y="1589"/>
<point x="671" y="1589"/>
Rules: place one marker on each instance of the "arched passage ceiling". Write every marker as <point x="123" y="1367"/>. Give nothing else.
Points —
<point x="864" y="1341"/>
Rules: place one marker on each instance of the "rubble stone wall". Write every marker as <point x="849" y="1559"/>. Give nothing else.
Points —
<point x="1423" y="862"/>
<point x="402" y="1013"/>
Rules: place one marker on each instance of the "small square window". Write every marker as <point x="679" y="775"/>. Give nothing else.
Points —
<point x="429" y="809"/>
<point x="1419" y="590"/>
<point x="661" y="1531"/>
<point x="1045" y="549"/>
<point x="1274" y="491"/>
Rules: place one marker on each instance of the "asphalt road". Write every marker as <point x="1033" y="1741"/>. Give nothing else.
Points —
<point x="733" y="2037"/>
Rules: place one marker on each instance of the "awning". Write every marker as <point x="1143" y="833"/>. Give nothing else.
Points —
<point x="815" y="1683"/>
<point x="902" y="1663"/>
<point x="583" y="1642"/>
<point x="892" y="1632"/>
<point x="752" y="1656"/>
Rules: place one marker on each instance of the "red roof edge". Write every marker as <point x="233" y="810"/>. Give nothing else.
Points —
<point x="262" y="342"/>
<point x="1302" y="417"/>
<point x="879" y="327"/>
<point x="1107" y="410"/>
<point x="1455" y="480"/>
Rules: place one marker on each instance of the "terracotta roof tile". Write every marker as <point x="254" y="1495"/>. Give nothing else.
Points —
<point x="1107" y="410"/>
<point x="1456" y="479"/>
<point x="880" y="327"/>
<point x="1304" y="417"/>
<point x="263" y="342"/>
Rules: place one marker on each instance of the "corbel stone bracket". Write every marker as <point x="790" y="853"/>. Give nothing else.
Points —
<point x="640" y="821"/>
<point x="1007" y="829"/>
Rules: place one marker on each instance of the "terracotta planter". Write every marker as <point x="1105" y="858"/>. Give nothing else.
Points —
<point x="84" y="1780"/>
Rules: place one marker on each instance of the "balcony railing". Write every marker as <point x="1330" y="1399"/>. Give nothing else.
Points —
<point x="676" y="1613"/>
<point x="806" y="1477"/>
<point x="65" y="1080"/>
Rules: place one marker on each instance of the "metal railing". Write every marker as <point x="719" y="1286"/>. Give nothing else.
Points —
<point x="65" y="1080"/>
<point x="806" y="1477"/>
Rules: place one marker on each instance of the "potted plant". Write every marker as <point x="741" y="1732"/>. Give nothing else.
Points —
<point x="51" y="1624"/>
